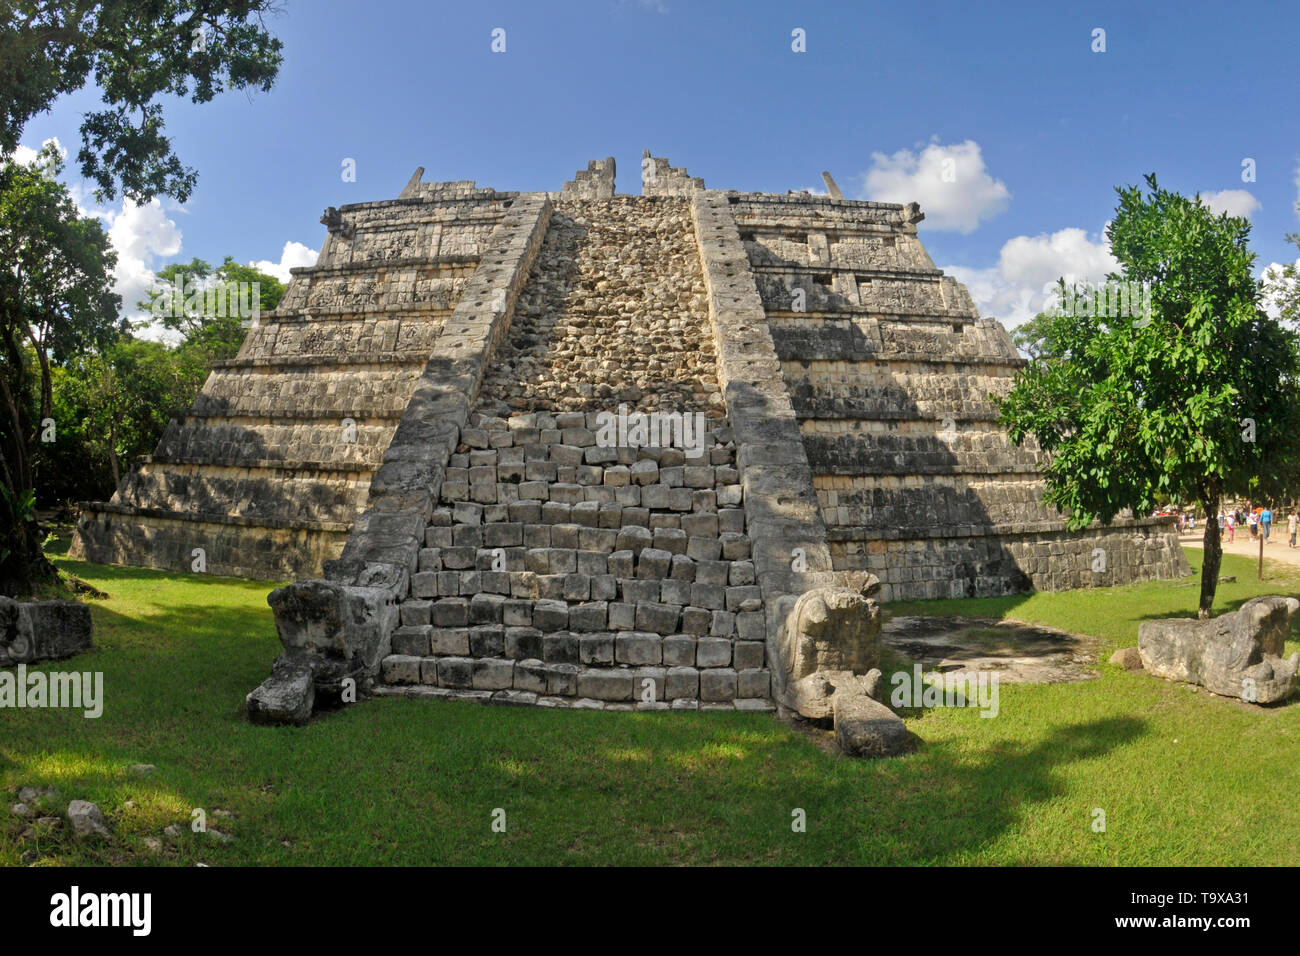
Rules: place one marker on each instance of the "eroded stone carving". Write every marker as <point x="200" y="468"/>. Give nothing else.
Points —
<point x="832" y="629"/>
<point x="42" y="630"/>
<point x="332" y="634"/>
<point x="1235" y="655"/>
<point x="829" y="649"/>
<point x="337" y="226"/>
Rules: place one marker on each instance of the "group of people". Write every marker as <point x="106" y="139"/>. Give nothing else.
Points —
<point x="1257" y="519"/>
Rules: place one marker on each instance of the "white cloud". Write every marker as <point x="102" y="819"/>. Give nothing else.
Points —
<point x="951" y="183"/>
<point x="1272" y="276"/>
<point x="1023" y="282"/>
<point x="142" y="236"/>
<point x="292" y="256"/>
<point x="26" y="155"/>
<point x="1235" y="202"/>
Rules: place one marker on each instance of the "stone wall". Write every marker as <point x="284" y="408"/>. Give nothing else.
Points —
<point x="264" y="475"/>
<point x="594" y="182"/>
<point x="892" y="374"/>
<point x="660" y="179"/>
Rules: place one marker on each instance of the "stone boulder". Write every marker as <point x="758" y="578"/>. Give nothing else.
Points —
<point x="42" y="630"/>
<point x="1129" y="658"/>
<point x="867" y="728"/>
<point x="288" y="696"/>
<point x="1234" y="655"/>
<point x="87" y="820"/>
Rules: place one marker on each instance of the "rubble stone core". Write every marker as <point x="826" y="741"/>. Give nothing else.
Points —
<point x="498" y="529"/>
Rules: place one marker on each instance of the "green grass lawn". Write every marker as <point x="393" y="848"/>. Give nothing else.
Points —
<point x="1183" y="777"/>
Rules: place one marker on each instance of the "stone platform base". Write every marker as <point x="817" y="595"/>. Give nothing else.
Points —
<point x="532" y="699"/>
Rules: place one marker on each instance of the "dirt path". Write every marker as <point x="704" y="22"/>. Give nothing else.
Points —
<point x="1276" y="548"/>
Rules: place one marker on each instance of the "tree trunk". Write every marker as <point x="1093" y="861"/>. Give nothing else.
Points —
<point x="112" y="453"/>
<point x="25" y="567"/>
<point x="1213" y="558"/>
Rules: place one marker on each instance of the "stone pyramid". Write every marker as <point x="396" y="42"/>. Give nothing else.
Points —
<point x="483" y="533"/>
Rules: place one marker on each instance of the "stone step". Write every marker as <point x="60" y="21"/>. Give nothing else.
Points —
<point x="360" y="391"/>
<point x="330" y="315"/>
<point x="720" y="614"/>
<point x="207" y="518"/>
<point x="952" y="500"/>
<point x="323" y="445"/>
<point x="270" y="494"/>
<point x="662" y="604"/>
<point x="236" y="546"/>
<point x="531" y="698"/>
<point x="277" y="465"/>
<point x="379" y="266"/>
<point x="630" y="684"/>
<point x="326" y="359"/>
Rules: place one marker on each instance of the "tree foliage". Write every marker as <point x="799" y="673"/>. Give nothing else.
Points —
<point x="56" y="301"/>
<point x="1197" y="401"/>
<point x="184" y="303"/>
<point x="136" y="52"/>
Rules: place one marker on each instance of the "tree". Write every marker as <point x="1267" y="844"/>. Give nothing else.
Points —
<point x="110" y="408"/>
<point x="1282" y="287"/>
<point x="135" y="52"/>
<point x="1035" y="338"/>
<point x="56" y="299"/>
<point x="1196" y="400"/>
<point x="211" y="308"/>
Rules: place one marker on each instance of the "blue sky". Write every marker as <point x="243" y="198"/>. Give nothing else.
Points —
<point x="1038" y="127"/>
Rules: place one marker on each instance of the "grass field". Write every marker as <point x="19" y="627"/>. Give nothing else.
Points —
<point x="1182" y="777"/>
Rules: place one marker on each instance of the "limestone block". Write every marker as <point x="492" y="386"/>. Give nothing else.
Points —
<point x="1236" y="655"/>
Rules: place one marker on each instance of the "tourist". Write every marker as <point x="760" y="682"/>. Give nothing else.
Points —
<point x="1291" y="524"/>
<point x="1265" y="522"/>
<point x="1230" y="525"/>
<point x="1252" y="519"/>
<point x="1222" y="521"/>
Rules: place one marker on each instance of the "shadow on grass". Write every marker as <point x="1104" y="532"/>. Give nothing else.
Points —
<point x="416" y="782"/>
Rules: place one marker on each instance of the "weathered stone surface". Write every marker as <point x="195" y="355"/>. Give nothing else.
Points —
<point x="87" y="821"/>
<point x="1236" y="655"/>
<point x="286" y="697"/>
<point x="829" y="631"/>
<point x="333" y="620"/>
<point x="42" y="630"/>
<point x="867" y="728"/>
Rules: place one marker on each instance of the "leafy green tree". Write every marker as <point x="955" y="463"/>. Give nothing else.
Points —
<point x="1283" y="288"/>
<point x="1198" y="400"/>
<point x="56" y="300"/>
<point x="1035" y="338"/>
<point x="207" y="307"/>
<point x="135" y="52"/>
<point x="111" y="408"/>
